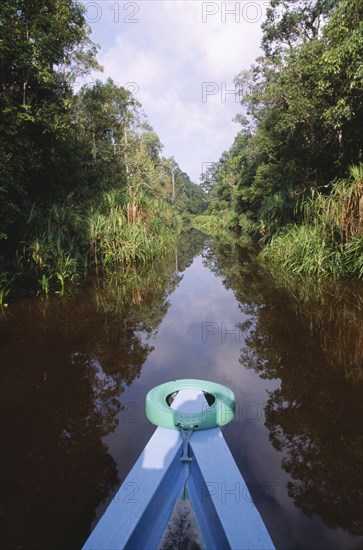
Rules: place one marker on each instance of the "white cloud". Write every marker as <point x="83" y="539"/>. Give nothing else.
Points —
<point x="169" y="54"/>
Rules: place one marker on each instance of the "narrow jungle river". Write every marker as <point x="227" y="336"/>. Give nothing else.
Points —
<point x="75" y="372"/>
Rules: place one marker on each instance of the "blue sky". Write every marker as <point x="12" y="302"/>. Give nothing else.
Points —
<point x="179" y="58"/>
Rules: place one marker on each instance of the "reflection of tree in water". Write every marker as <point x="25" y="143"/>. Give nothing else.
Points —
<point x="315" y="420"/>
<point x="334" y="312"/>
<point x="55" y="468"/>
<point x="65" y="366"/>
<point x="294" y="334"/>
<point x="191" y="245"/>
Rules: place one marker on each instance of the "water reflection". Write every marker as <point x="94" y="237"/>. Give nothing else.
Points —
<point x="55" y="410"/>
<point x="309" y="335"/>
<point x="75" y="373"/>
<point x="66" y="364"/>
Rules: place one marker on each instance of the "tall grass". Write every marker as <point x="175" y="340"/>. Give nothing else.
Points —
<point x="130" y="232"/>
<point x="329" y="242"/>
<point x="341" y="212"/>
<point x="213" y="224"/>
<point x="63" y="244"/>
<point x="53" y="251"/>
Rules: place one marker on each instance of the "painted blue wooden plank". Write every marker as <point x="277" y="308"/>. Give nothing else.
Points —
<point x="137" y="516"/>
<point x="216" y="481"/>
<point x="222" y="503"/>
<point x="153" y="484"/>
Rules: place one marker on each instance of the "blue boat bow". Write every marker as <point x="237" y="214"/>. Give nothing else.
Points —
<point x="140" y="511"/>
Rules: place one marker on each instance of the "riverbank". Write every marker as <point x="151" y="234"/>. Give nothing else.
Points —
<point x="66" y="242"/>
<point x="326" y="241"/>
<point x="329" y="240"/>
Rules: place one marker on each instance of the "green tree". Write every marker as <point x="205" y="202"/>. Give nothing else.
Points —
<point x="292" y="22"/>
<point x="303" y="109"/>
<point x="103" y="114"/>
<point x="189" y="197"/>
<point x="44" y="46"/>
<point x="341" y="79"/>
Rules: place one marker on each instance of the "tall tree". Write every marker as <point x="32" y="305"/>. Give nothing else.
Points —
<point x="43" y="47"/>
<point x="302" y="104"/>
<point x="290" y="23"/>
<point x="341" y="78"/>
<point x="103" y="115"/>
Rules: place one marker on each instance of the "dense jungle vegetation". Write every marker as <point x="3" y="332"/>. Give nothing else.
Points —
<point x="293" y="178"/>
<point x="83" y="183"/>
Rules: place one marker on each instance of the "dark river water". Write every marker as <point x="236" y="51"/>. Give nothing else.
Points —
<point x="75" y="372"/>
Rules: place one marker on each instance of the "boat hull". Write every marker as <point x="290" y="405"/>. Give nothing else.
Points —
<point x="138" y="515"/>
